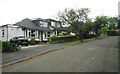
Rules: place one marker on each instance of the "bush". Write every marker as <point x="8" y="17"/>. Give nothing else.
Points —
<point x="91" y="35"/>
<point x="32" y="41"/>
<point x="7" y="47"/>
<point x="59" y="39"/>
<point x="13" y="47"/>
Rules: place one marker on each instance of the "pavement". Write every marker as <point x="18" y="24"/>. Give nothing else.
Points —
<point x="28" y="52"/>
<point x="94" y="56"/>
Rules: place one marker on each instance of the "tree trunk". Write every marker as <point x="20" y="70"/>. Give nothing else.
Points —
<point x="80" y="36"/>
<point x="96" y="34"/>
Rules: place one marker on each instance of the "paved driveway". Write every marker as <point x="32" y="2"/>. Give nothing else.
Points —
<point x="29" y="51"/>
<point x="94" y="56"/>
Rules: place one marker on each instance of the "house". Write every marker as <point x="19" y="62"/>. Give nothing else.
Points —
<point x="8" y="31"/>
<point x="40" y="29"/>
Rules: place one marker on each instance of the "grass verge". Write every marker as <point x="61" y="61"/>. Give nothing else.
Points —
<point x="78" y="41"/>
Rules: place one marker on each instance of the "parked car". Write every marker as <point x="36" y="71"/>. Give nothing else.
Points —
<point x="20" y="40"/>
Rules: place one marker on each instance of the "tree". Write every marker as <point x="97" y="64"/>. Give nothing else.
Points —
<point x="88" y="25"/>
<point x="75" y="19"/>
<point x="104" y="30"/>
<point x="112" y="24"/>
<point x="100" y="21"/>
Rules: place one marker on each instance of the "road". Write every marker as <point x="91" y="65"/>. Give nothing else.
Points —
<point x="94" y="56"/>
<point x="29" y="51"/>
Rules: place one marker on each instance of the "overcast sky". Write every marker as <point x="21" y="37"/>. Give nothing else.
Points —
<point x="12" y="11"/>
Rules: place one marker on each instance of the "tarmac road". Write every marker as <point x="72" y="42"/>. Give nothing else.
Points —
<point x="94" y="56"/>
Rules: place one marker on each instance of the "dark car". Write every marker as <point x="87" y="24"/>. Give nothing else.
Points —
<point x="20" y="40"/>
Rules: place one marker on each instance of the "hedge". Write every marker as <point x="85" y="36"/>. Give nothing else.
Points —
<point x="8" y="47"/>
<point x="59" y="39"/>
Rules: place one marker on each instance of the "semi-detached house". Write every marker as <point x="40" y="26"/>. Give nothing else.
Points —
<point x="40" y="29"/>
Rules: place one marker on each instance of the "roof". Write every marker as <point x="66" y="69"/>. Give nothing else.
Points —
<point x="9" y="25"/>
<point x="39" y="19"/>
<point x="27" y="23"/>
<point x="53" y="20"/>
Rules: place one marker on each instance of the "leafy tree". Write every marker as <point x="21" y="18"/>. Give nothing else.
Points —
<point x="75" y="19"/>
<point x="112" y="23"/>
<point x="104" y="30"/>
<point x="88" y="25"/>
<point x="100" y="21"/>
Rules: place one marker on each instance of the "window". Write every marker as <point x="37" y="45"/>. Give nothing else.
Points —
<point x="45" y="35"/>
<point x="58" y="24"/>
<point x="48" y="34"/>
<point x="3" y="33"/>
<point x="29" y="33"/>
<point x="43" y="24"/>
<point x="33" y="33"/>
<point x="52" y="23"/>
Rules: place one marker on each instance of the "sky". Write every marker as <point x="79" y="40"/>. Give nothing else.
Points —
<point x="13" y="11"/>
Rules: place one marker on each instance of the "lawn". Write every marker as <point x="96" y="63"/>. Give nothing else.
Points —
<point x="78" y="41"/>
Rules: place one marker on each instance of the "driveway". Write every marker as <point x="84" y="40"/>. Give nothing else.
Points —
<point x="29" y="51"/>
<point x="94" y="56"/>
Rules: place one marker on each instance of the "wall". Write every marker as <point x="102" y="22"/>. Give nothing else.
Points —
<point x="43" y="24"/>
<point x="3" y="38"/>
<point x="12" y="32"/>
<point x="0" y="33"/>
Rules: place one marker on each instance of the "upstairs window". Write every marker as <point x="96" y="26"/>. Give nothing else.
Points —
<point x="58" y="24"/>
<point x="43" y="24"/>
<point x="52" y="23"/>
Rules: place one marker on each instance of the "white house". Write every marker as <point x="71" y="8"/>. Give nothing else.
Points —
<point x="39" y="29"/>
<point x="8" y="31"/>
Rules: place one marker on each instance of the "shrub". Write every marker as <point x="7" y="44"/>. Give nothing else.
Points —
<point x="66" y="38"/>
<point x="5" y="46"/>
<point x="91" y="35"/>
<point x="13" y="47"/>
<point x="32" y="41"/>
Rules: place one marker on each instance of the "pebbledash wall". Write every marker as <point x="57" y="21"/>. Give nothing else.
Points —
<point x="9" y="31"/>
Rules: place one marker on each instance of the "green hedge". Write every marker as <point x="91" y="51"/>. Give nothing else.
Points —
<point x="7" y="47"/>
<point x="59" y="39"/>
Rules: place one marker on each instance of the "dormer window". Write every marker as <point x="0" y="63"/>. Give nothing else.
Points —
<point x="43" y="24"/>
<point x="52" y="23"/>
